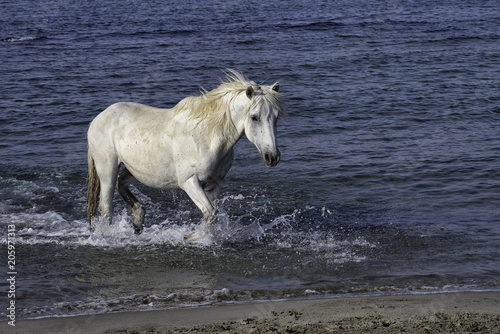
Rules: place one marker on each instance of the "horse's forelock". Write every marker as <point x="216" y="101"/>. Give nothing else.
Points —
<point x="272" y="98"/>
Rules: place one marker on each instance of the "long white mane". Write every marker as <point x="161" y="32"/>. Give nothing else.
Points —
<point x="213" y="108"/>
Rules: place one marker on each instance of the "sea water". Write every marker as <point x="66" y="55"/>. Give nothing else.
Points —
<point x="389" y="180"/>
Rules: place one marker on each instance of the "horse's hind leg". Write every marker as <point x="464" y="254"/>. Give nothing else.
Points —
<point x="138" y="212"/>
<point x="107" y="177"/>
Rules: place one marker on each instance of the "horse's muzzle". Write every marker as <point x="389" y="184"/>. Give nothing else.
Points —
<point x="271" y="159"/>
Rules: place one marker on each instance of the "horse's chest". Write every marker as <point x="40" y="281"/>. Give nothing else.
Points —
<point x="215" y="170"/>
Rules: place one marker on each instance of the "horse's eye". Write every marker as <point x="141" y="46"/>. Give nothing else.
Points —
<point x="255" y="118"/>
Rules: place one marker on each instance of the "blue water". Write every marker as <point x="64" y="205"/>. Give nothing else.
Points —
<point x="389" y="180"/>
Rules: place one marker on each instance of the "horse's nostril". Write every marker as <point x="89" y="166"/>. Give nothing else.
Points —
<point x="271" y="159"/>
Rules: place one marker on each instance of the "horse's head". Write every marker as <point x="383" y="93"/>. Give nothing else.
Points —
<point x="260" y="123"/>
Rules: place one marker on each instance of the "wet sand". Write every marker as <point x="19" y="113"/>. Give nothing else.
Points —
<point x="465" y="312"/>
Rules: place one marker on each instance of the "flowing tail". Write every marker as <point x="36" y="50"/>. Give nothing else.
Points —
<point x="93" y="190"/>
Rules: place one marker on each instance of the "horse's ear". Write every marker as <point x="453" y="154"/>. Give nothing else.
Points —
<point x="276" y="87"/>
<point x="249" y="92"/>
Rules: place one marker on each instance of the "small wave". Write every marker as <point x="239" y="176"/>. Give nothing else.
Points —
<point x="141" y="302"/>
<point x="221" y="296"/>
<point x="23" y="39"/>
<point x="314" y="26"/>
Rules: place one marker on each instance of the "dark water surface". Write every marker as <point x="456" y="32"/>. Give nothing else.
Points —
<point x="390" y="174"/>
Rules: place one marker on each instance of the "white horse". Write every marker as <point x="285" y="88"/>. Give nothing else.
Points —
<point x="189" y="146"/>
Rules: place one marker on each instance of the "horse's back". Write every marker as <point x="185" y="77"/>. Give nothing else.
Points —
<point x="126" y="116"/>
<point x="121" y="112"/>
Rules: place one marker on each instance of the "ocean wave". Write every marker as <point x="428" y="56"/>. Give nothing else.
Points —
<point x="23" y="39"/>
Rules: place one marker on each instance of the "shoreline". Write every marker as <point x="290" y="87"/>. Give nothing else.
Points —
<point x="415" y="313"/>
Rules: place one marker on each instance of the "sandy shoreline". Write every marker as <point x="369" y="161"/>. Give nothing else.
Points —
<point x="464" y="312"/>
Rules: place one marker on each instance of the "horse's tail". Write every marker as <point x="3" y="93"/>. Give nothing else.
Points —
<point x="93" y="189"/>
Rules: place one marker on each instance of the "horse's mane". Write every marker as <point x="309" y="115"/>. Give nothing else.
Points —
<point x="213" y="107"/>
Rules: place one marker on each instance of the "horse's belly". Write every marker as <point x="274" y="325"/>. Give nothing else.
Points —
<point x="160" y="177"/>
<point x="150" y="165"/>
<point x="148" y="156"/>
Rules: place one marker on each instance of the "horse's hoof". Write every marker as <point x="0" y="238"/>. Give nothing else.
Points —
<point x="137" y="230"/>
<point x="193" y="236"/>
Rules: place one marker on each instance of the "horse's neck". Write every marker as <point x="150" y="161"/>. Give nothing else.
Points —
<point x="223" y="144"/>
<point x="238" y="117"/>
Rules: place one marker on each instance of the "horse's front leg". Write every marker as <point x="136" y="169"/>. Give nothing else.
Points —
<point x="195" y="191"/>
